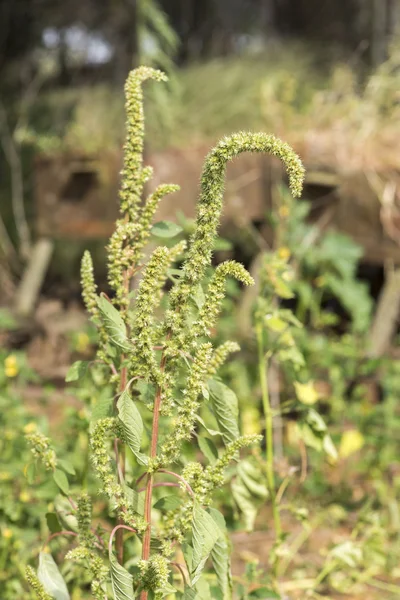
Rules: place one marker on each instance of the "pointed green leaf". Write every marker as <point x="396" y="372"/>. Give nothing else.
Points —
<point x="170" y="502"/>
<point x="136" y="501"/>
<point x="166" y="229"/>
<point x="220" y="555"/>
<point x="132" y="425"/>
<point x="225" y="406"/>
<point x="208" y="448"/>
<point x="53" y="523"/>
<point x="253" y="478"/>
<point x="51" y="578"/>
<point x="102" y="409"/>
<point x="121" y="581"/>
<point x="77" y="370"/>
<point x="198" y="296"/>
<point x="62" y="481"/>
<point x="244" y="500"/>
<point x="66" y="466"/>
<point x="113" y="323"/>
<point x="265" y="594"/>
<point x="205" y="535"/>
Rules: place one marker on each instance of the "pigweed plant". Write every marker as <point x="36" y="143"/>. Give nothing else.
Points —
<point x="158" y="340"/>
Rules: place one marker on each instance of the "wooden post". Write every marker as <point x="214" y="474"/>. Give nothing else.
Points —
<point x="33" y="277"/>
<point x="386" y="317"/>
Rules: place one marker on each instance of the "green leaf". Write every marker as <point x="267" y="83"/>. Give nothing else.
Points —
<point x="63" y="508"/>
<point x="102" y="409"/>
<point x="253" y="478"/>
<point x="225" y="406"/>
<point x="208" y="448"/>
<point x="220" y="555"/>
<point x="205" y="535"/>
<point x="221" y="244"/>
<point x="113" y="323"/>
<point x="265" y="594"/>
<point x="66" y="466"/>
<point x="198" y="296"/>
<point x="189" y="594"/>
<point x="62" y="481"/>
<point x="77" y="370"/>
<point x="132" y="425"/>
<point x="282" y="289"/>
<point x="136" y="501"/>
<point x="170" y="502"/>
<point x="53" y="523"/>
<point x="30" y="473"/>
<point x="166" y="229"/>
<point x="121" y="581"/>
<point x="274" y="323"/>
<point x="212" y="432"/>
<point x="244" y="500"/>
<point x="51" y="578"/>
<point x="167" y="590"/>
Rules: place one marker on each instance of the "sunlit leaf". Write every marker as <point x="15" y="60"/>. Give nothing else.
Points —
<point x="166" y="229"/>
<point x="121" y="581"/>
<point x="51" y="578"/>
<point x="77" y="370"/>
<point x="205" y="535"/>
<point x="113" y="323"/>
<point x="226" y="410"/>
<point x="306" y="392"/>
<point x="352" y="441"/>
<point x="132" y="425"/>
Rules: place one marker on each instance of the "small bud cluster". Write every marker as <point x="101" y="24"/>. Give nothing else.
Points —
<point x="103" y="429"/>
<point x="220" y="355"/>
<point x="88" y="284"/>
<point x="209" y="312"/>
<point x="184" y="423"/>
<point x="155" y="574"/>
<point x="133" y="175"/>
<point x="84" y="517"/>
<point x="41" y="449"/>
<point x="35" y="584"/>
<point x="96" y="567"/>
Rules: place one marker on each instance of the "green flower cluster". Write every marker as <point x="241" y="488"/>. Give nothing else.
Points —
<point x="94" y="564"/>
<point x="42" y="450"/>
<point x="155" y="574"/>
<point x="102" y="431"/>
<point x="151" y="336"/>
<point x="35" y="584"/>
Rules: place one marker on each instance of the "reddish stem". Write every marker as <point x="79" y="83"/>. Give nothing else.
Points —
<point x="120" y="460"/>
<point x="116" y="529"/>
<point x="149" y="486"/>
<point x="181" y="570"/>
<point x="165" y="484"/>
<point x="54" y="535"/>
<point x="187" y="486"/>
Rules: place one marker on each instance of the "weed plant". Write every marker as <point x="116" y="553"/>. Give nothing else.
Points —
<point x="156" y="347"/>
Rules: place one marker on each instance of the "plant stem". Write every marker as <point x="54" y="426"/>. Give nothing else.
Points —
<point x="150" y="476"/>
<point x="263" y="369"/>
<point x="120" y="458"/>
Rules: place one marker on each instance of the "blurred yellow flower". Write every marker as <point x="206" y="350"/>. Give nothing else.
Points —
<point x="82" y="342"/>
<point x="283" y="211"/>
<point x="24" y="497"/>
<point x="284" y="253"/>
<point x="4" y="476"/>
<point x="352" y="441"/>
<point x="30" y="427"/>
<point x="7" y="533"/>
<point x="11" y="366"/>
